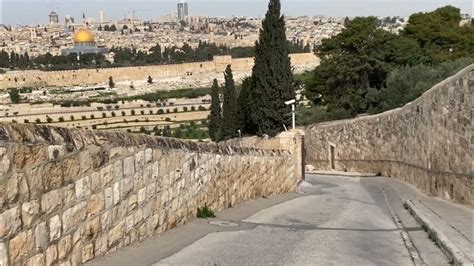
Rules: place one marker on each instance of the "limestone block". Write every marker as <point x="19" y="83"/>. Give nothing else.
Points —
<point x="155" y="170"/>
<point x="93" y="228"/>
<point x="95" y="205"/>
<point x="3" y="254"/>
<point x="27" y="156"/>
<point x="51" y="255"/>
<point x="109" y="197"/>
<point x="4" y="161"/>
<point x="139" y="160"/>
<point x="116" y="234"/>
<point x="55" y="228"/>
<point x="129" y="166"/>
<point x="118" y="170"/>
<point x="100" y="246"/>
<point x="107" y="175"/>
<point x="126" y="186"/>
<point x="116" y="152"/>
<point x="17" y="188"/>
<point x="151" y="190"/>
<point x="10" y="222"/>
<point x="106" y="220"/>
<point x="132" y="202"/>
<point x="73" y="216"/>
<point x="83" y="188"/>
<point x="148" y="155"/>
<point x="51" y="175"/>
<point x="117" y="193"/>
<point x="21" y="246"/>
<point x="69" y="195"/>
<point x="37" y="260"/>
<point x="56" y="151"/>
<point x="41" y="236"/>
<point x="96" y="182"/>
<point x="51" y="201"/>
<point x="129" y="223"/>
<point x="30" y="212"/>
<point x="141" y="195"/>
<point x="64" y="247"/>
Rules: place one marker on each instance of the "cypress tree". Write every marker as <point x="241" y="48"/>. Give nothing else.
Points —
<point x="230" y="121"/>
<point x="272" y="77"/>
<point x="243" y="107"/>
<point x="215" y="116"/>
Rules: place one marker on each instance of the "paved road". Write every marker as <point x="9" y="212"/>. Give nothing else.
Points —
<point x="338" y="221"/>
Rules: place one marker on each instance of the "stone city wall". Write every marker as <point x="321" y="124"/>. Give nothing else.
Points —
<point x="427" y="143"/>
<point x="36" y="78"/>
<point x="68" y="196"/>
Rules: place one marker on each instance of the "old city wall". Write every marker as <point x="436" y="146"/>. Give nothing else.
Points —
<point x="427" y="143"/>
<point x="67" y="196"/>
<point x="101" y="76"/>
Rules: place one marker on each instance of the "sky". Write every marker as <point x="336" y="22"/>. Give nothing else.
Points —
<point x="14" y="12"/>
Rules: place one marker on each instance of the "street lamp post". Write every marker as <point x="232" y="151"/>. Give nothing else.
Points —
<point x="293" y="112"/>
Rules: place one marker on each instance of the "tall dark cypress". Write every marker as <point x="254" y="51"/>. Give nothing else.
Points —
<point x="216" y="114"/>
<point x="272" y="77"/>
<point x="243" y="112"/>
<point x="230" y="122"/>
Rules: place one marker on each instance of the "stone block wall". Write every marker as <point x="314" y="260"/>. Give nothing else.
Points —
<point x="35" y="78"/>
<point x="68" y="196"/>
<point x="428" y="143"/>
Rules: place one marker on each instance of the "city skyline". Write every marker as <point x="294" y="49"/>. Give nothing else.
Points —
<point x="13" y="12"/>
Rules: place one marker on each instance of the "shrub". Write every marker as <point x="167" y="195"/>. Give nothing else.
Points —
<point x="160" y="112"/>
<point x="132" y="112"/>
<point x="49" y="119"/>
<point x="193" y="108"/>
<point x="205" y="212"/>
<point x="123" y="113"/>
<point x="202" y="108"/>
<point x="92" y="117"/>
<point x="185" y="109"/>
<point x="61" y="119"/>
<point x="113" y="114"/>
<point x="104" y="115"/>
<point x="38" y="121"/>
<point x="168" y="119"/>
<point x="84" y="117"/>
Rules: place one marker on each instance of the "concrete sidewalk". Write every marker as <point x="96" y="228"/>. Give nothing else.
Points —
<point x="449" y="225"/>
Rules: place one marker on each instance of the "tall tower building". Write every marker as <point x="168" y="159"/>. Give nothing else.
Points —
<point x="102" y="17"/>
<point x="182" y="11"/>
<point x="53" y="18"/>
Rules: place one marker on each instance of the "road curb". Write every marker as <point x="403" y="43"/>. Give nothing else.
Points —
<point x="337" y="173"/>
<point x="458" y="257"/>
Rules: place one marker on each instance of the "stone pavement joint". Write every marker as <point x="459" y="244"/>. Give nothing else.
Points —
<point x="456" y="245"/>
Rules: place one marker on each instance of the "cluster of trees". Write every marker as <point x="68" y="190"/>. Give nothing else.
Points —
<point x="365" y="69"/>
<point x="259" y="107"/>
<point x="51" y="62"/>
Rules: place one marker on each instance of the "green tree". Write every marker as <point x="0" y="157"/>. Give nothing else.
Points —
<point x="243" y="112"/>
<point x="111" y="82"/>
<point x="150" y="80"/>
<point x="272" y="77"/>
<point x="230" y="122"/>
<point x="216" y="115"/>
<point x="14" y="95"/>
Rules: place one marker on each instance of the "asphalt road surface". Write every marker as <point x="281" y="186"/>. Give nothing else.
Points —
<point x="337" y="221"/>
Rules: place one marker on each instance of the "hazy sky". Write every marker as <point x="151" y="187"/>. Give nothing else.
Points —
<point x="36" y="11"/>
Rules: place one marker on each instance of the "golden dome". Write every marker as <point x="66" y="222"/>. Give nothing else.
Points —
<point x="83" y="36"/>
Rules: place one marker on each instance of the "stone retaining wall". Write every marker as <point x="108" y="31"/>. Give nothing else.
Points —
<point x="68" y="196"/>
<point x="35" y="78"/>
<point x="428" y="142"/>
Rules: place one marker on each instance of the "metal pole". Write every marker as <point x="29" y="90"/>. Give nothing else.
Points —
<point x="293" y="116"/>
